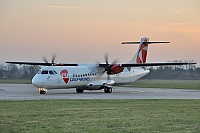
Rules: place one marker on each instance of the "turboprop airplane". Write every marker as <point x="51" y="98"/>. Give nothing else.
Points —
<point x="94" y="76"/>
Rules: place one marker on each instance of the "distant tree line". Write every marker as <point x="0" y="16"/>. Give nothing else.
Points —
<point x="170" y="73"/>
<point x="11" y="71"/>
<point x="178" y="72"/>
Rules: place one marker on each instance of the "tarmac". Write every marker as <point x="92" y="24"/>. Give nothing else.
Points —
<point x="29" y="92"/>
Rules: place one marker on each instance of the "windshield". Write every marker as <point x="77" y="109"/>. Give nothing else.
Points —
<point x="52" y="72"/>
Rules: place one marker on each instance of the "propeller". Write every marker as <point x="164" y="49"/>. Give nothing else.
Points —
<point x="107" y="67"/>
<point x="52" y="60"/>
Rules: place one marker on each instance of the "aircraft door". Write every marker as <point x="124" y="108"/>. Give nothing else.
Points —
<point x="53" y="78"/>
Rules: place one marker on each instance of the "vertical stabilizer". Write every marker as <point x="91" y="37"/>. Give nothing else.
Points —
<point x="141" y="55"/>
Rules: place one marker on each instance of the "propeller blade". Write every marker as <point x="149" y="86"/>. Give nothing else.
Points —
<point x="108" y="77"/>
<point x="100" y="74"/>
<point x="45" y="60"/>
<point x="107" y="66"/>
<point x="53" y="59"/>
<point x="106" y="58"/>
<point x="115" y="61"/>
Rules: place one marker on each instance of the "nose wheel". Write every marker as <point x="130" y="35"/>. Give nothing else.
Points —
<point x="42" y="90"/>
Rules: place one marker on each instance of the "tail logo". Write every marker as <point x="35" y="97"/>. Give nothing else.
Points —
<point x="142" y="53"/>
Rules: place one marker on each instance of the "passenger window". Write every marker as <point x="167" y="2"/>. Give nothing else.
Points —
<point x="51" y="72"/>
<point x="44" y="72"/>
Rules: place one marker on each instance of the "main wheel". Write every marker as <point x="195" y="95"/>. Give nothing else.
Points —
<point x="108" y="90"/>
<point x="79" y="90"/>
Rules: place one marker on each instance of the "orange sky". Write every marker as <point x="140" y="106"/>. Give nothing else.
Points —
<point x="83" y="31"/>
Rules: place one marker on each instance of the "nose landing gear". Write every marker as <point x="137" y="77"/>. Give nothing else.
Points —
<point x="42" y="90"/>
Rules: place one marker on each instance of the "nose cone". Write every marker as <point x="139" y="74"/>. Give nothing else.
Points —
<point x="37" y="81"/>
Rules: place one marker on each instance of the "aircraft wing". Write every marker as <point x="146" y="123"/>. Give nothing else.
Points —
<point x="156" y="64"/>
<point x="41" y="64"/>
<point x="103" y="64"/>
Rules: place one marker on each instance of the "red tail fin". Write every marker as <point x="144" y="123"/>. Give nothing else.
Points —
<point x="142" y="52"/>
<point x="141" y="55"/>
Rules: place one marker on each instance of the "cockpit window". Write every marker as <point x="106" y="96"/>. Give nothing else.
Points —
<point x="44" y="72"/>
<point x="55" y="72"/>
<point x="39" y="72"/>
<point x="51" y="72"/>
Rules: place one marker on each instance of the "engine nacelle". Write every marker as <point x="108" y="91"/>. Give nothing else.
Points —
<point x="115" y="69"/>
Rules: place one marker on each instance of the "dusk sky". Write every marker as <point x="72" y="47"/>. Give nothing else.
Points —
<point x="82" y="31"/>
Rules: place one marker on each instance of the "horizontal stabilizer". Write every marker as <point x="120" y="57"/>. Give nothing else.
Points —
<point x="143" y="42"/>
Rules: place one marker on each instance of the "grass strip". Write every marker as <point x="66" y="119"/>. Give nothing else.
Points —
<point x="100" y="116"/>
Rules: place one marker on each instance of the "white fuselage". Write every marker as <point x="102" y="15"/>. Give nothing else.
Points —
<point x="94" y="76"/>
<point x="83" y="77"/>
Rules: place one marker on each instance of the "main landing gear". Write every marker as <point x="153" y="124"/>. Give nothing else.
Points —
<point x="42" y="90"/>
<point x="108" y="89"/>
<point x="79" y="90"/>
